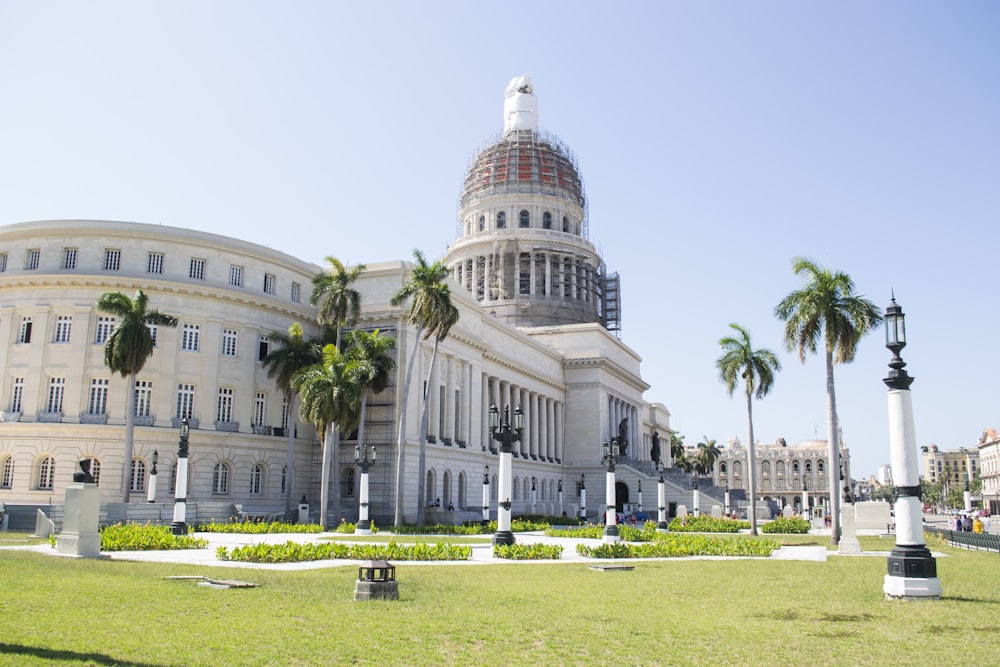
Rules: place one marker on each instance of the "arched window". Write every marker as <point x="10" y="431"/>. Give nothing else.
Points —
<point x="546" y="220"/>
<point x="284" y="480"/>
<point x="501" y="220"/>
<point x="779" y="468"/>
<point x="7" y="472"/>
<point x="722" y="468"/>
<point x="95" y="470"/>
<point x="819" y="466"/>
<point x="482" y="222"/>
<point x="737" y="468"/>
<point x="565" y="224"/>
<point x="46" y="472"/>
<point x="523" y="219"/>
<point x="256" y="477"/>
<point x="795" y="467"/>
<point x="137" y="476"/>
<point x="463" y="482"/>
<point x="430" y="487"/>
<point x="349" y="482"/>
<point x="220" y="478"/>
<point x="809" y="467"/>
<point x="514" y="488"/>
<point x="173" y="478"/>
<point x="765" y="468"/>
<point x="446" y="499"/>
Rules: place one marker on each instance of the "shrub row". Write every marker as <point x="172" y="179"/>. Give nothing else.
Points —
<point x="528" y="551"/>
<point x="782" y="525"/>
<point x="672" y="545"/>
<point x="138" y="537"/>
<point x="256" y="528"/>
<point x="292" y="552"/>
<point x="706" y="524"/>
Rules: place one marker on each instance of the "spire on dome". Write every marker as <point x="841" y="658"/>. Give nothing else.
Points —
<point x="520" y="106"/>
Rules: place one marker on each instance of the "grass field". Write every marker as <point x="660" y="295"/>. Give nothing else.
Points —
<point x="56" y="611"/>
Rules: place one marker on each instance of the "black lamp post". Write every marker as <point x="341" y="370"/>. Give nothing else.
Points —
<point x="506" y="434"/>
<point x="364" y="526"/>
<point x="912" y="570"/>
<point x="486" y="493"/>
<point x="179" y="525"/>
<point x="609" y="456"/>
<point x="151" y="493"/>
<point x="562" y="512"/>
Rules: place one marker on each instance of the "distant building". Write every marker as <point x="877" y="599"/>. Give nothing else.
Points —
<point x="884" y="475"/>
<point x="989" y="470"/>
<point x="954" y="466"/>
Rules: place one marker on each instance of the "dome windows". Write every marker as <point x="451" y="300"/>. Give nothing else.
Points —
<point x="482" y="222"/>
<point x="546" y="220"/>
<point x="501" y="220"/>
<point x="565" y="224"/>
<point x="523" y="219"/>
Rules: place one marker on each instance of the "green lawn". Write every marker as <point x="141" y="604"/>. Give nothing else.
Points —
<point x="682" y="612"/>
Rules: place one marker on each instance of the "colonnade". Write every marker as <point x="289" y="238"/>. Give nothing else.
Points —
<point x="618" y="410"/>
<point x="502" y="275"/>
<point x="543" y="419"/>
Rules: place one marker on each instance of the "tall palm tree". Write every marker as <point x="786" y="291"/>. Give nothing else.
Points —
<point x="708" y="454"/>
<point x="827" y="308"/>
<point x="339" y="305"/>
<point x="433" y="313"/>
<point x="676" y="450"/>
<point x="329" y="401"/>
<point x="739" y="361"/>
<point x="371" y="367"/>
<point x="126" y="351"/>
<point x="289" y="353"/>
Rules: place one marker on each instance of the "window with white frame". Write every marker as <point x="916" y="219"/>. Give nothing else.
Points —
<point x="185" y="401"/>
<point x="31" y="259"/>
<point x="256" y="478"/>
<point x="63" y="325"/>
<point x="69" y="258"/>
<point x="236" y="276"/>
<point x="137" y="477"/>
<point x="229" y="338"/>
<point x="220" y="478"/>
<point x="112" y="259"/>
<point x="191" y="337"/>
<point x="17" y="395"/>
<point x="105" y="325"/>
<point x="95" y="469"/>
<point x="260" y="409"/>
<point x="57" y="387"/>
<point x="296" y="292"/>
<point x="25" y="335"/>
<point x="143" y="397"/>
<point x="3" y="262"/>
<point x="262" y="348"/>
<point x="97" y="404"/>
<point x="7" y="474"/>
<point x="224" y="410"/>
<point x="46" y="472"/>
<point x="197" y="270"/>
<point x="153" y="331"/>
<point x="269" y="281"/>
<point x="154" y="262"/>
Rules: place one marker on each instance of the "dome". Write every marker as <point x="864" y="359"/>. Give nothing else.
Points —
<point x="524" y="162"/>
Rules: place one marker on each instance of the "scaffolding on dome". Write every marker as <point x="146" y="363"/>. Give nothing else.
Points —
<point x="610" y="301"/>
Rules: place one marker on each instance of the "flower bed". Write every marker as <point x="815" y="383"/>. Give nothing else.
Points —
<point x="292" y="552"/>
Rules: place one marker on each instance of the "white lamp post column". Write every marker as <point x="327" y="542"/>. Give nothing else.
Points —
<point x="583" y="498"/>
<point x="506" y="435"/>
<point x="179" y="525"/>
<point x="640" y="495"/>
<point x="364" y="526"/>
<point x="534" y="496"/>
<point x="661" y="500"/>
<point x="562" y="512"/>
<point x="694" y="492"/>
<point x="912" y="569"/>
<point x="486" y="493"/>
<point x="805" y="499"/>
<point x="610" y="457"/>
<point x="151" y="494"/>
<point x="967" y="496"/>
<point x="728" y="508"/>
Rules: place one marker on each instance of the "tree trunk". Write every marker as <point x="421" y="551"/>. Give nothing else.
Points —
<point x="290" y="453"/>
<point x="751" y="465"/>
<point x="401" y="439"/>
<point x="834" y="442"/>
<point x="324" y="489"/>
<point x="129" y="435"/>
<point x="421" y="456"/>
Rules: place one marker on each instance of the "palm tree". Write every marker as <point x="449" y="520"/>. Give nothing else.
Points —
<point x="329" y="401"/>
<point x="126" y="351"/>
<point x="826" y="308"/>
<point x="370" y="366"/>
<point x="739" y="361"/>
<point x="433" y="313"/>
<point x="708" y="454"/>
<point x="676" y="450"/>
<point x="339" y="304"/>
<point x="289" y="353"/>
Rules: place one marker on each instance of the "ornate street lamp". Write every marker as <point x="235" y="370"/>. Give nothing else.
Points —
<point x="609" y="456"/>
<point x="534" y="496"/>
<point x="661" y="500"/>
<point x="561" y="511"/>
<point x="912" y="569"/>
<point x="506" y="434"/>
<point x="364" y="526"/>
<point x="486" y="493"/>
<point x="179" y="525"/>
<point x="696" y="511"/>
<point x="640" y="494"/>
<point x="151" y="494"/>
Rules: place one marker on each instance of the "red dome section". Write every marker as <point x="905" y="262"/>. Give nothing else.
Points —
<point x="524" y="162"/>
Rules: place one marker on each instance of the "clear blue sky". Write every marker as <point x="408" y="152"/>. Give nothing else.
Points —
<point x="717" y="141"/>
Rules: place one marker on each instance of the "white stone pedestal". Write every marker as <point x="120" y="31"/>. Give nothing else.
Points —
<point x="80" y="535"/>
<point x="911" y="588"/>
<point x="849" y="543"/>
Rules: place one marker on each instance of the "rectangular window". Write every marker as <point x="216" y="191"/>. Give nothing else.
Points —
<point x="57" y="387"/>
<point x="260" y="409"/>
<point x="190" y="337"/>
<point x="284" y="414"/>
<point x="17" y="395"/>
<point x="25" y="335"/>
<point x="262" y="347"/>
<point x="3" y="262"/>
<point x="269" y="281"/>
<point x="224" y="411"/>
<point x="105" y="325"/>
<point x="255" y="477"/>
<point x="296" y="291"/>
<point x="185" y="401"/>
<point x="143" y="398"/>
<point x="98" y="402"/>
<point x="46" y="472"/>
<point x="197" y="270"/>
<point x="69" y="258"/>
<point x="229" y="338"/>
<point x="112" y="259"/>
<point x="31" y="259"/>
<point x="236" y="276"/>
<point x="153" y="330"/>
<point x="63" y="325"/>
<point x="154" y="262"/>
